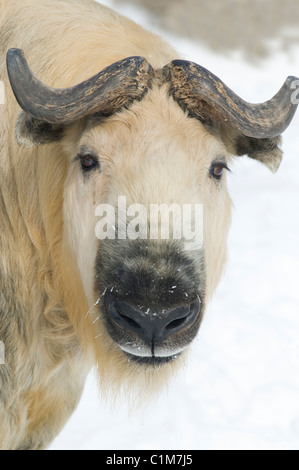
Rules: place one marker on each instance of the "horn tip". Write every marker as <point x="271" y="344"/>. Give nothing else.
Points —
<point x="15" y="58"/>
<point x="14" y="52"/>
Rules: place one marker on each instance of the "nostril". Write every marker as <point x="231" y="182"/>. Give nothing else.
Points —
<point x="182" y="317"/>
<point x="125" y="315"/>
<point x="126" y="320"/>
<point x="176" y="324"/>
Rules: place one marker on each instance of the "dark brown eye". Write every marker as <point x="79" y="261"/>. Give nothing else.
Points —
<point x="88" y="162"/>
<point x="217" y="170"/>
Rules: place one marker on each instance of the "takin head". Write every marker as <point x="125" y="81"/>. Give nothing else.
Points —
<point x="141" y="140"/>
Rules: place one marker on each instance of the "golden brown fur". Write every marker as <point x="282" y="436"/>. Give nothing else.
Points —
<point x="50" y="341"/>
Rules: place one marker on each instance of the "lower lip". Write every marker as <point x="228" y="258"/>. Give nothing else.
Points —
<point x="152" y="360"/>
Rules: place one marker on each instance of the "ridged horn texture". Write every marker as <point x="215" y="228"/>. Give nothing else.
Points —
<point x="206" y="97"/>
<point x="194" y="88"/>
<point x="108" y="91"/>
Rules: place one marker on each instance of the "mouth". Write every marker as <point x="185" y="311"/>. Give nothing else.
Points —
<point x="155" y="357"/>
<point x="154" y="361"/>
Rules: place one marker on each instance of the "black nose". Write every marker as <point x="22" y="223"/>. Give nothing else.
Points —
<point x="150" y="325"/>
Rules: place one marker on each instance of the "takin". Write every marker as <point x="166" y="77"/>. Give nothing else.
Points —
<point x="97" y="111"/>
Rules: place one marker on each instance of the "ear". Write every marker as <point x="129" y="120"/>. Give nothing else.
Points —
<point x="31" y="131"/>
<point x="267" y="151"/>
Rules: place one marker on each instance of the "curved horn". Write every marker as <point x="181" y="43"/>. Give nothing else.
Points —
<point x="106" y="92"/>
<point x="206" y="96"/>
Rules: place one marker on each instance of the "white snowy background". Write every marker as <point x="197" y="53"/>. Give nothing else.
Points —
<point x="240" y="388"/>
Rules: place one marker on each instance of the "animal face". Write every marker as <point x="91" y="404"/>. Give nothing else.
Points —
<point x="152" y="291"/>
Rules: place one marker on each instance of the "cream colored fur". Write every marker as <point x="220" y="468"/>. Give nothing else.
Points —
<point x="47" y="242"/>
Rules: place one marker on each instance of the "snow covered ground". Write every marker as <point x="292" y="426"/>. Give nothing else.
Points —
<point x="240" y="388"/>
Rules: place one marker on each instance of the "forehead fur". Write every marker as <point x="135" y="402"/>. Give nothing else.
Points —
<point x="152" y="152"/>
<point x="155" y="122"/>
